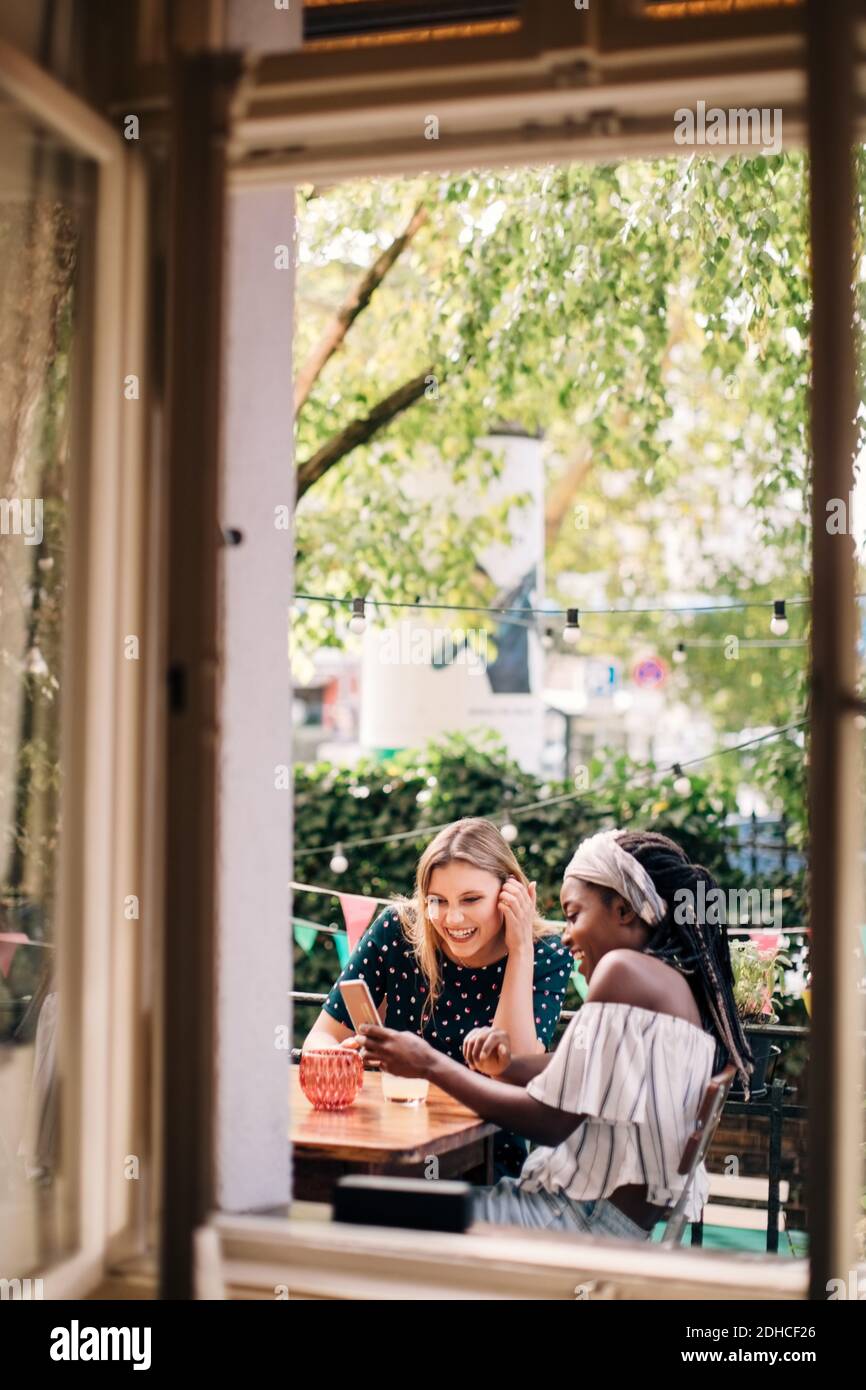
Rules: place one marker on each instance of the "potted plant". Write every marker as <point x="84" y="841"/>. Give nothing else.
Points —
<point x="758" y="968"/>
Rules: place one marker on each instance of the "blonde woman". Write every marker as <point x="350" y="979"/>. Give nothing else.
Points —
<point x="467" y="951"/>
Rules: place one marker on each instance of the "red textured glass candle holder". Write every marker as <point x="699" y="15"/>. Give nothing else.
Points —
<point x="331" y="1077"/>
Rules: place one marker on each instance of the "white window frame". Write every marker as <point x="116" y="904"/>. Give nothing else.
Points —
<point x="101" y="1021"/>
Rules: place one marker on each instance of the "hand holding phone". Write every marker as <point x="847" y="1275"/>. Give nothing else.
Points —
<point x="362" y="1009"/>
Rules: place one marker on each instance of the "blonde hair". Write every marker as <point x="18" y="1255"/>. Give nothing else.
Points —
<point x="475" y="841"/>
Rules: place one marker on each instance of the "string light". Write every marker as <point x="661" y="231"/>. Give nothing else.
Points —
<point x="358" y="620"/>
<point x="682" y="783"/>
<point x="420" y="831"/>
<point x="509" y="831"/>
<point x="339" y="863"/>
<point x="571" y="632"/>
<point x="778" y="622"/>
<point x="548" y="613"/>
<point x="35" y="663"/>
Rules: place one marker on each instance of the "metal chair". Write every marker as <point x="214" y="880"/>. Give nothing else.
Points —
<point x="696" y="1147"/>
<point x="740" y="1206"/>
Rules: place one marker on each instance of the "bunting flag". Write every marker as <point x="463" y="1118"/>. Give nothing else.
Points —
<point x="358" y="913"/>
<point x="9" y="943"/>
<point x="305" y="934"/>
<point x="766" y="941"/>
<point x="580" y="984"/>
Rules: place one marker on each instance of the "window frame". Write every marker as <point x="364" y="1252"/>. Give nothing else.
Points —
<point x="100" y="1028"/>
<point x="285" y="134"/>
<point x="282" y="111"/>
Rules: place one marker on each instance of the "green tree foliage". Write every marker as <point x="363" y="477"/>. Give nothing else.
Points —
<point x="652" y="319"/>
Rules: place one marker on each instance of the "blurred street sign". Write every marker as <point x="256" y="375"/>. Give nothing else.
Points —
<point x="649" y="673"/>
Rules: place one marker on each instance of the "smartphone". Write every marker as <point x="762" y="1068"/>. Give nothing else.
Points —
<point x="359" y="1001"/>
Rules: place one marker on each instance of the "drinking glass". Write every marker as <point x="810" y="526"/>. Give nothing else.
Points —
<point x="405" y="1090"/>
<point x="331" y="1077"/>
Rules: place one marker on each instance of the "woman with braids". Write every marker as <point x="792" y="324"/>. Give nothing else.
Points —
<point x="613" y="1106"/>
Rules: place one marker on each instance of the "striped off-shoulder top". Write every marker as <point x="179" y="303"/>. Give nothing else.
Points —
<point x="639" y="1078"/>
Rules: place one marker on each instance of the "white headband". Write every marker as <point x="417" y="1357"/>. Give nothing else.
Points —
<point x="602" y="860"/>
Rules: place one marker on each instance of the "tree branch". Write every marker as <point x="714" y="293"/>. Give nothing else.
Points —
<point x="351" y="307"/>
<point x="561" y="496"/>
<point x="360" y="431"/>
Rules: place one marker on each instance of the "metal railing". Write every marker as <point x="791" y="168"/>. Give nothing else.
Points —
<point x="773" y="1030"/>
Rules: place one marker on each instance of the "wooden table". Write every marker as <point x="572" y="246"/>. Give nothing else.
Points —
<point x="375" y="1135"/>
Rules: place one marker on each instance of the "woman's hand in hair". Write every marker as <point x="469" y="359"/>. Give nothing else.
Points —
<point x="517" y="906"/>
<point x="487" y="1050"/>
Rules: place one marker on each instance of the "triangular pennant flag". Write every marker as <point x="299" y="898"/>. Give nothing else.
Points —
<point x="305" y="934"/>
<point x="359" y="913"/>
<point x="341" y="941"/>
<point x="766" y="941"/>
<point x="580" y="984"/>
<point x="9" y="943"/>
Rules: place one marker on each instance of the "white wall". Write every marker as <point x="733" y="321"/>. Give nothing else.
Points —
<point x="255" y="821"/>
<point x="254" y="961"/>
<point x="404" y="700"/>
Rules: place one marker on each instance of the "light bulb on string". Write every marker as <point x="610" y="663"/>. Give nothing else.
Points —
<point x="779" y="622"/>
<point x="34" y="663"/>
<point x="547" y="639"/>
<point x="571" y="631"/>
<point x="682" y="784"/>
<point x="339" y="862"/>
<point x="680" y="654"/>
<point x="509" y="831"/>
<point x="358" y="620"/>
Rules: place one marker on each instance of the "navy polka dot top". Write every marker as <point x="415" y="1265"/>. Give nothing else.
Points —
<point x="468" y="998"/>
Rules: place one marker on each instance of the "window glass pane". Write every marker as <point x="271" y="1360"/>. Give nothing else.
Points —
<point x="46" y="203"/>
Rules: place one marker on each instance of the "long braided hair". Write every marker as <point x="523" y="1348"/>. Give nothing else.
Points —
<point x="697" y="949"/>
